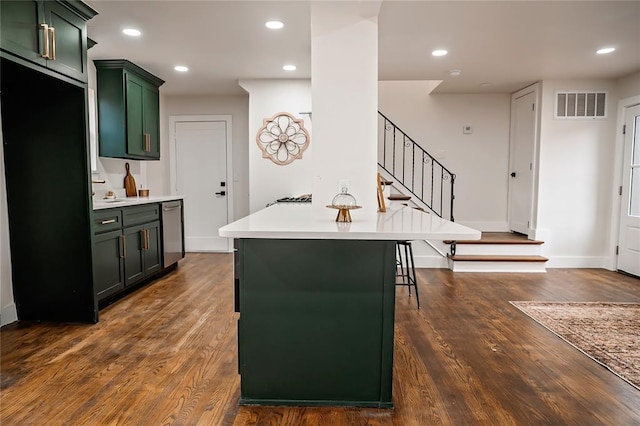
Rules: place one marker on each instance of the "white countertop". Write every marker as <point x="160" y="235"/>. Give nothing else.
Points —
<point x="100" y="204"/>
<point x="296" y="221"/>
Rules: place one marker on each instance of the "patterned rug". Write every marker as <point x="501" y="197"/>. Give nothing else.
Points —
<point x="609" y="333"/>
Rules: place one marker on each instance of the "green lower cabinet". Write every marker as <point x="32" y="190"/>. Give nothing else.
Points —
<point x="316" y="322"/>
<point x="134" y="257"/>
<point x="127" y="247"/>
<point x="152" y="255"/>
<point x="108" y="265"/>
<point x="143" y="256"/>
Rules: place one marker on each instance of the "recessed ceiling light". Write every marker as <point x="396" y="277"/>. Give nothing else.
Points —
<point x="274" y="25"/>
<point x="455" y="73"/>
<point x="439" y="52"/>
<point x="605" y="50"/>
<point x="485" y="84"/>
<point x="289" y="67"/>
<point x="131" y="32"/>
<point x="181" y="68"/>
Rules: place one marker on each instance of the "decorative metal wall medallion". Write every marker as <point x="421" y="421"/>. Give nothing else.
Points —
<point x="282" y="138"/>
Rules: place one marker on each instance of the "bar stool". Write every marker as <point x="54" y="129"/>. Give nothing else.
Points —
<point x="406" y="270"/>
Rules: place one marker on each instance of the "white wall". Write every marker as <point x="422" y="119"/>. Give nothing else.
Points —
<point x="628" y="86"/>
<point x="480" y="160"/>
<point x="267" y="180"/>
<point x="575" y="180"/>
<point x="236" y="106"/>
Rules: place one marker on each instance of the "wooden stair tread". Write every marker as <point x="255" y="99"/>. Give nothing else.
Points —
<point x="498" y="238"/>
<point x="511" y="241"/>
<point x="496" y="258"/>
<point x="395" y="197"/>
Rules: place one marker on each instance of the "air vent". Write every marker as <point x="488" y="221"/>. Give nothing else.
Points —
<point x="579" y="105"/>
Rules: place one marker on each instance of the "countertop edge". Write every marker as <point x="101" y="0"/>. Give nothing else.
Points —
<point x="134" y="201"/>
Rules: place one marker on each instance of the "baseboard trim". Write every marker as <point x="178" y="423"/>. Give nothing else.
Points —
<point x="486" y="226"/>
<point x="577" y="262"/>
<point x="8" y="314"/>
<point x="430" y="261"/>
<point x="425" y="261"/>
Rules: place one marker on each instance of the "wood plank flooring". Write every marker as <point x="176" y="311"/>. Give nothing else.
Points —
<point x="166" y="355"/>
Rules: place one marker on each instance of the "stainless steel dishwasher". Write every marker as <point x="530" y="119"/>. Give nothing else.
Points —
<point x="172" y="232"/>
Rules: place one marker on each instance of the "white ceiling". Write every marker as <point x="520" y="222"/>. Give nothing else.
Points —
<point x="508" y="44"/>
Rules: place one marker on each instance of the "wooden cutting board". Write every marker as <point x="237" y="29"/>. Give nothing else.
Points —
<point x="129" y="183"/>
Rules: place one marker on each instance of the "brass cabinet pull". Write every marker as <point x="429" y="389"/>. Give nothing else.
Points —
<point x="45" y="29"/>
<point x="106" y="222"/>
<point x="124" y="246"/>
<point x="147" y="142"/>
<point x="146" y="232"/>
<point x="53" y="43"/>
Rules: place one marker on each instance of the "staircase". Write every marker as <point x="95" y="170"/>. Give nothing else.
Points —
<point x="496" y="252"/>
<point x="415" y="178"/>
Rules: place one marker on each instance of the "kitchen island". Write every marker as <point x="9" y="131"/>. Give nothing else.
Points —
<point x="316" y="301"/>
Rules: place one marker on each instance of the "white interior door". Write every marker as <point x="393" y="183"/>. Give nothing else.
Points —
<point x="629" y="239"/>
<point x="201" y="178"/>
<point x="523" y="123"/>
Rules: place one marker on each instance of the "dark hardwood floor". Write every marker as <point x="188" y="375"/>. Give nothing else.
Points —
<point x="166" y="354"/>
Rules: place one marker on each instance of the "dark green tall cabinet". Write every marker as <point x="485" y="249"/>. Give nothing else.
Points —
<point x="128" y="110"/>
<point x="46" y="159"/>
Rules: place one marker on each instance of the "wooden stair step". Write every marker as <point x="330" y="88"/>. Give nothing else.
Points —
<point x="396" y="197"/>
<point x="496" y="258"/>
<point x="509" y="241"/>
<point x="386" y="182"/>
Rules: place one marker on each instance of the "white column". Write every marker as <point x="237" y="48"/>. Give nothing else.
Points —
<point x="344" y="85"/>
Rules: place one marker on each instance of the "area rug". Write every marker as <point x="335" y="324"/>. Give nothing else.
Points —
<point x="609" y="333"/>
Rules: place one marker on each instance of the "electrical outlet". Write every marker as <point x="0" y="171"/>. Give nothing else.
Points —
<point x="467" y="130"/>
<point x="344" y="183"/>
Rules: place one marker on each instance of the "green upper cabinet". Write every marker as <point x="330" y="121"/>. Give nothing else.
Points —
<point x="52" y="34"/>
<point x="128" y="110"/>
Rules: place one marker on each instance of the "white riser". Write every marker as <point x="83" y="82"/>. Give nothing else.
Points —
<point x="498" y="249"/>
<point x="525" y="267"/>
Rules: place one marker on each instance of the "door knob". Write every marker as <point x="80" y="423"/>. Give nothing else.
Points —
<point x="221" y="193"/>
<point x="513" y="174"/>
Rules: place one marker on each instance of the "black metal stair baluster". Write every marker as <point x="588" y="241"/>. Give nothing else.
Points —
<point x="384" y="144"/>
<point x="394" y="150"/>
<point x="413" y="168"/>
<point x="431" y="198"/>
<point x="441" y="190"/>
<point x="453" y="178"/>
<point x="404" y="162"/>
<point x="422" y="178"/>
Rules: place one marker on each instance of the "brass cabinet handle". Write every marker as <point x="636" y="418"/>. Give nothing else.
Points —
<point x="53" y="43"/>
<point x="106" y="222"/>
<point x="45" y="29"/>
<point x="146" y="232"/>
<point x="147" y="142"/>
<point x="124" y="246"/>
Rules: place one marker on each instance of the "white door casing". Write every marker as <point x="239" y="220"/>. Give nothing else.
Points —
<point x="521" y="159"/>
<point x="629" y="234"/>
<point x="200" y="160"/>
